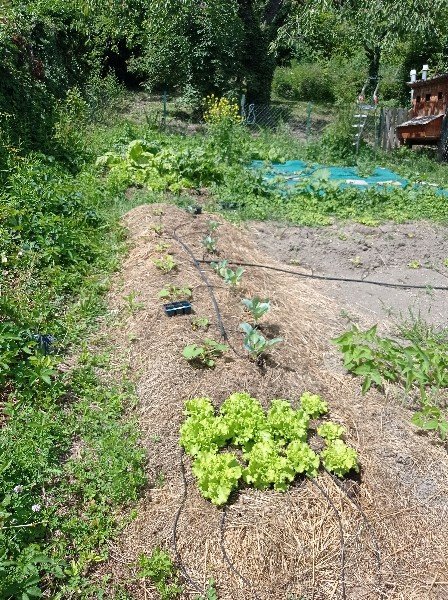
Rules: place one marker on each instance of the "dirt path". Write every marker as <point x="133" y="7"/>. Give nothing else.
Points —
<point x="410" y="253"/>
<point x="286" y="546"/>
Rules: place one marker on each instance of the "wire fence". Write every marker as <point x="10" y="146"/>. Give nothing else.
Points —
<point x="303" y="121"/>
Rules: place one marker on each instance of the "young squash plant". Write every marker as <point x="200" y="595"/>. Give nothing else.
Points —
<point x="206" y="353"/>
<point x="172" y="292"/>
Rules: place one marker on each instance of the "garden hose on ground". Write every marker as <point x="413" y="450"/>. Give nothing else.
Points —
<point x="330" y="278"/>
<point x="196" y="586"/>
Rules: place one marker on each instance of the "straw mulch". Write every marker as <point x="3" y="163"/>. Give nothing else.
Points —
<point x="282" y="546"/>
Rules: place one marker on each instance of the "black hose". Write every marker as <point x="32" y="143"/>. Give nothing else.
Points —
<point x="330" y="278"/>
<point x="205" y="280"/>
<point x="369" y="527"/>
<point x="179" y="562"/>
<point x="341" y="534"/>
<point x="229" y="562"/>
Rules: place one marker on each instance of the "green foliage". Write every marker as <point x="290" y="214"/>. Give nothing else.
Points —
<point x="431" y="418"/>
<point x="255" y="342"/>
<point x="161" y="166"/>
<point x="330" y="431"/>
<point x="338" y="458"/>
<point x="419" y="365"/>
<point x="244" y="417"/>
<point x="173" y="292"/>
<point x="313" y="405"/>
<point x="377" y="359"/>
<point x="257" y="307"/>
<point x="231" y="277"/>
<point x="217" y="475"/>
<point x="166" y="263"/>
<point x="273" y="444"/>
<point x="304" y="81"/>
<point x="159" y="568"/>
<point x="206" y="353"/>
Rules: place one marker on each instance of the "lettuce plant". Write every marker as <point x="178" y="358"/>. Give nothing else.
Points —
<point x="302" y="458"/>
<point x="203" y="433"/>
<point x="338" y="458"/>
<point x="330" y="431"/>
<point x="244" y="416"/>
<point x="313" y="405"/>
<point x="286" y="424"/>
<point x="217" y="475"/>
<point x="266" y="467"/>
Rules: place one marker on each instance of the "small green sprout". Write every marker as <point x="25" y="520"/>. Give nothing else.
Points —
<point x="209" y="244"/>
<point x="166" y="263"/>
<point x="200" y="323"/>
<point x="172" y="292"/>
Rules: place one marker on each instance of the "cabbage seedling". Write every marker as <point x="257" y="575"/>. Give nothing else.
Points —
<point x="257" y="307"/>
<point x="254" y="342"/>
<point x="209" y="244"/>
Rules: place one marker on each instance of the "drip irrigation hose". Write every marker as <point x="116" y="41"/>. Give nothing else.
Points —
<point x="204" y="279"/>
<point x="229" y="562"/>
<point x="330" y="278"/>
<point x="185" y="573"/>
<point x="196" y="262"/>
<point x="341" y="534"/>
<point x="369" y="527"/>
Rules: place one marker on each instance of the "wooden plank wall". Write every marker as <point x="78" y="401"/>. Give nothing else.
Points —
<point x="389" y="119"/>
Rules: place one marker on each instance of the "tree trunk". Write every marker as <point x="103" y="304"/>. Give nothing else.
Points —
<point x="258" y="62"/>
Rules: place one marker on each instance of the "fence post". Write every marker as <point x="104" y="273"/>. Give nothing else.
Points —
<point x="243" y="109"/>
<point x="308" y="119"/>
<point x="165" y="96"/>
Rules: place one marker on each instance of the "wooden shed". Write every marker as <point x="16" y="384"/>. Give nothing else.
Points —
<point x="427" y="124"/>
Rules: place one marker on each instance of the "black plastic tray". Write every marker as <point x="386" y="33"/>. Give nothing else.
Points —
<point x="177" y="308"/>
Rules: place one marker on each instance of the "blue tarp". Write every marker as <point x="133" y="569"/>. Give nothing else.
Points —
<point x="294" y="171"/>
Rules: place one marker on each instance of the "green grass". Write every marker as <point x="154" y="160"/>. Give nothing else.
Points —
<point x="70" y="462"/>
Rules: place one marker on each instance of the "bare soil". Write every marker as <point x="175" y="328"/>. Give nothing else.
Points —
<point x="413" y="253"/>
<point x="383" y="537"/>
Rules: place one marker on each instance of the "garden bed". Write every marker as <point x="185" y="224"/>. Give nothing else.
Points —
<point x="281" y="545"/>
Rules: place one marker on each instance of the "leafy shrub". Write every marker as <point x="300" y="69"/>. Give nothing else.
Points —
<point x="304" y="81"/>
